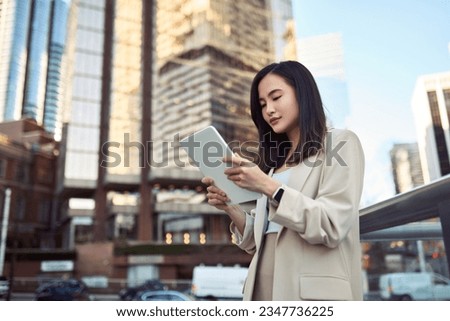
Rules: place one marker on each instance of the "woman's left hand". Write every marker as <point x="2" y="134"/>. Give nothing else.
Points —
<point x="249" y="176"/>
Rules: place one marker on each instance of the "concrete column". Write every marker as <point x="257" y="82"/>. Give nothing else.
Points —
<point x="444" y="214"/>
<point x="4" y="229"/>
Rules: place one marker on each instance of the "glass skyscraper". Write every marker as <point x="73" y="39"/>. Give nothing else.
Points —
<point x="55" y="83"/>
<point x="33" y="106"/>
<point x="33" y="41"/>
<point x="14" y="22"/>
<point x="105" y="102"/>
<point x="323" y="55"/>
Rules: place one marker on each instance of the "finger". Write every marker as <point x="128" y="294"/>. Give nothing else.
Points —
<point x="234" y="160"/>
<point x="207" y="180"/>
<point x="235" y="178"/>
<point x="220" y="195"/>
<point x="216" y="190"/>
<point x="216" y="202"/>
<point x="232" y="171"/>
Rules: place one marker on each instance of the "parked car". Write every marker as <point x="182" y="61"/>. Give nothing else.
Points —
<point x="414" y="286"/>
<point x="218" y="282"/>
<point x="162" y="295"/>
<point x="129" y="293"/>
<point x="63" y="290"/>
<point x="4" y="286"/>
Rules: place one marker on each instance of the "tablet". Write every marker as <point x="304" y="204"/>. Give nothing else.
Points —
<point x="206" y="148"/>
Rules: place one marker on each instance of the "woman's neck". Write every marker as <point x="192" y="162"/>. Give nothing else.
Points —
<point x="294" y="138"/>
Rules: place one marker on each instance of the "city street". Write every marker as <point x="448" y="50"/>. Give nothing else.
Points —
<point x="30" y="297"/>
<point x="373" y="296"/>
<point x="343" y="107"/>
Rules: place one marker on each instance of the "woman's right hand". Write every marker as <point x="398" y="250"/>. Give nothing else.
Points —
<point x="216" y="197"/>
<point x="219" y="199"/>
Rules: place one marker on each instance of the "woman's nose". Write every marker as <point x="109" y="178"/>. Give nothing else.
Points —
<point x="269" y="109"/>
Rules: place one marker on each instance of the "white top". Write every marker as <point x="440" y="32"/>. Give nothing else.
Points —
<point x="283" y="178"/>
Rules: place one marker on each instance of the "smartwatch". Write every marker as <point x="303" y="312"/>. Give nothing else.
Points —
<point x="276" y="197"/>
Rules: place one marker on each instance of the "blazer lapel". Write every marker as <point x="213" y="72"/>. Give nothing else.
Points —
<point x="301" y="172"/>
<point x="297" y="181"/>
<point x="261" y="218"/>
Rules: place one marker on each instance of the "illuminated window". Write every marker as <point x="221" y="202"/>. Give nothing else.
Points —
<point x="202" y="238"/>
<point x="168" y="238"/>
<point x="186" y="238"/>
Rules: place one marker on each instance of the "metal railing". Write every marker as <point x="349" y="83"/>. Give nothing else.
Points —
<point x="399" y="216"/>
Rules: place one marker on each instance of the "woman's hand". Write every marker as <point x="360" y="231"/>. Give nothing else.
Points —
<point x="216" y="197"/>
<point x="249" y="176"/>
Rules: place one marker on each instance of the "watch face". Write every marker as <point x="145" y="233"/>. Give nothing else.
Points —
<point x="278" y="195"/>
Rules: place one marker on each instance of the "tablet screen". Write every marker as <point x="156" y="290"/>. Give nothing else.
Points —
<point x="206" y="148"/>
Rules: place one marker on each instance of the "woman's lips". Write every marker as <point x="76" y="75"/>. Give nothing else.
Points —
<point x="274" y="120"/>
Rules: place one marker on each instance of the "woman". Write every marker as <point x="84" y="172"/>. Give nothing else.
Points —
<point x="304" y="231"/>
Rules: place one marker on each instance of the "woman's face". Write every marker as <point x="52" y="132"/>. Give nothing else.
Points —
<point x="279" y="105"/>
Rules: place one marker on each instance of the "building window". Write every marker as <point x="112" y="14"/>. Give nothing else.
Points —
<point x="22" y="173"/>
<point x="447" y="102"/>
<point x="83" y="234"/>
<point x="20" y="205"/>
<point x="44" y="175"/>
<point x="2" y="168"/>
<point x="44" y="211"/>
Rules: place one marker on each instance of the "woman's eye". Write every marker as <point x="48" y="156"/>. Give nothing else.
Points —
<point x="276" y="98"/>
<point x="263" y="105"/>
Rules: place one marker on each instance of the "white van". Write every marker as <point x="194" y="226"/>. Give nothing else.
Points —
<point x="414" y="286"/>
<point x="218" y="282"/>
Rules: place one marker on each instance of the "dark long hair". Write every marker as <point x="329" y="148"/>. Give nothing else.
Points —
<point x="312" y="122"/>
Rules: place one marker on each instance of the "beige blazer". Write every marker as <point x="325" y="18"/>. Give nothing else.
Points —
<point x="317" y="252"/>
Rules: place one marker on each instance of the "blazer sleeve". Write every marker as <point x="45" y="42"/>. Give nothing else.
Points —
<point x="245" y="241"/>
<point x="328" y="217"/>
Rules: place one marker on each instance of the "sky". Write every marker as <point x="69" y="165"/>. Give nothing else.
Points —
<point x="387" y="44"/>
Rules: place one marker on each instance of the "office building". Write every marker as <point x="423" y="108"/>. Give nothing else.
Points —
<point x="14" y="26"/>
<point x="32" y="47"/>
<point x="205" y="80"/>
<point x="406" y="167"/>
<point x="105" y="102"/>
<point x="207" y="54"/>
<point x="28" y="157"/>
<point x="431" y="108"/>
<point x="283" y="40"/>
<point x="323" y="55"/>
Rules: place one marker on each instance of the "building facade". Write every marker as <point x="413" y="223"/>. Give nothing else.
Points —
<point x="206" y="56"/>
<point x="32" y="45"/>
<point x="406" y="167"/>
<point x="431" y="108"/>
<point x="323" y="55"/>
<point x="283" y="41"/>
<point x="28" y="158"/>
